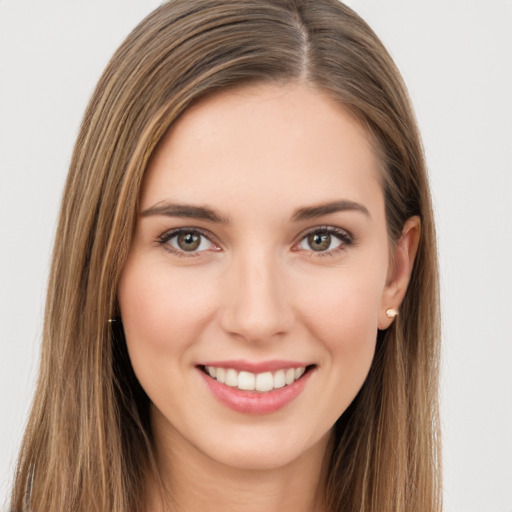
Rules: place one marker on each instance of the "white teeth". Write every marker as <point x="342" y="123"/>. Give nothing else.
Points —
<point x="231" y="378"/>
<point x="279" y="380"/>
<point x="289" y="376"/>
<point x="262" y="382"/>
<point x="246" y="380"/>
<point x="221" y="375"/>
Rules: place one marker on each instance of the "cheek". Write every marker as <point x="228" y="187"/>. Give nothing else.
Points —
<point x="343" y="316"/>
<point x="162" y="311"/>
<point x="348" y="302"/>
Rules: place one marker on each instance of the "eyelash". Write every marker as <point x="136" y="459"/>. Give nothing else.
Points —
<point x="164" y="239"/>
<point x="344" y="236"/>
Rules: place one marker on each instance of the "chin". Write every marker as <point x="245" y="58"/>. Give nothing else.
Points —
<point x="263" y="449"/>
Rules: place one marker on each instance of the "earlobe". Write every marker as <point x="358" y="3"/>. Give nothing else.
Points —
<point x="400" y="270"/>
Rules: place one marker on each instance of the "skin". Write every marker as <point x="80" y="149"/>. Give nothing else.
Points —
<point x="256" y="290"/>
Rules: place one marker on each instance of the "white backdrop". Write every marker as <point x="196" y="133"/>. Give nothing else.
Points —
<point x="456" y="57"/>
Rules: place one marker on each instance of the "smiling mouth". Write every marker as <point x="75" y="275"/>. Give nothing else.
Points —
<point x="259" y="382"/>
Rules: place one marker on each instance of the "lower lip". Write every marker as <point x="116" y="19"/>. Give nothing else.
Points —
<point x="252" y="402"/>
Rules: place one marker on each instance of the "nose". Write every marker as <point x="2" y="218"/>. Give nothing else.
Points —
<point x="257" y="304"/>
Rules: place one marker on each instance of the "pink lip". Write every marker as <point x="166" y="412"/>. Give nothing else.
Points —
<point x="253" y="402"/>
<point x="248" y="366"/>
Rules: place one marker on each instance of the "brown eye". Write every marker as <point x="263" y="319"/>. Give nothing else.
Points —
<point x="188" y="241"/>
<point x="319" y="241"/>
<point x="326" y="240"/>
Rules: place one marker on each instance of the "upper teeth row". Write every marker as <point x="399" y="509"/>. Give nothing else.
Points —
<point x="248" y="381"/>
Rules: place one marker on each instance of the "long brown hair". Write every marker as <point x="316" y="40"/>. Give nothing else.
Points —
<point x="88" y="441"/>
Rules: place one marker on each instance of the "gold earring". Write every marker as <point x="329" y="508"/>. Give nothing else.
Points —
<point x="391" y="313"/>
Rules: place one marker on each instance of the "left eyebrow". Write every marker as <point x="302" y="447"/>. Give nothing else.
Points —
<point x="185" y="210"/>
<point x="312" y="212"/>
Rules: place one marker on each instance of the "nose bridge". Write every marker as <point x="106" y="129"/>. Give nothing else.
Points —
<point x="257" y="305"/>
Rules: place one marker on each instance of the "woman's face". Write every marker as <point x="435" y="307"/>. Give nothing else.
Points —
<point x="260" y="257"/>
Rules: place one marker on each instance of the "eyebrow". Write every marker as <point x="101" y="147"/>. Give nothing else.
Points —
<point x="312" y="212"/>
<point x="204" y="213"/>
<point x="185" y="210"/>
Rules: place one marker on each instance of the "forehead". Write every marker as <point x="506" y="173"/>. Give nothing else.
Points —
<point x="264" y="144"/>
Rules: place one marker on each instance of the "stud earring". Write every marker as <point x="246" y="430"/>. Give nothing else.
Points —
<point x="113" y="320"/>
<point x="391" y="313"/>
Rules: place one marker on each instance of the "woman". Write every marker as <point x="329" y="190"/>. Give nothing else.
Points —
<point x="246" y="213"/>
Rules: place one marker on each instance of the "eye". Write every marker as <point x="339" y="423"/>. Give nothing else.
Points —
<point x="186" y="242"/>
<point x="325" y="240"/>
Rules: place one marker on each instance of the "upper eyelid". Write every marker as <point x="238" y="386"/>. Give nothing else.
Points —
<point x="330" y="229"/>
<point x="164" y="239"/>
<point x="171" y="233"/>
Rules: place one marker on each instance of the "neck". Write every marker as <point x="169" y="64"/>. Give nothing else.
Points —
<point x="189" y="481"/>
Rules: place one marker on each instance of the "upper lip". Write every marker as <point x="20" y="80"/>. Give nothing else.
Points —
<point x="255" y="367"/>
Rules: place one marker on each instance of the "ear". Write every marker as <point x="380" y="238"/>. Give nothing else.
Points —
<point x="400" y="269"/>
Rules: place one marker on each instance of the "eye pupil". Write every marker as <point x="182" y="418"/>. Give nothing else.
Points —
<point x="189" y="241"/>
<point x="319" y="241"/>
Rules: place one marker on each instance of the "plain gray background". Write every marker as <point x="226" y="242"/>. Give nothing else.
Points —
<point x="456" y="57"/>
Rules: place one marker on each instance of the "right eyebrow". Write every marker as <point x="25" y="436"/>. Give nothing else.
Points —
<point x="312" y="212"/>
<point x="185" y="210"/>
